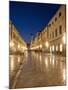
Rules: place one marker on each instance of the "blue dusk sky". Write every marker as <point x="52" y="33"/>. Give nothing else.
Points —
<point x="30" y="18"/>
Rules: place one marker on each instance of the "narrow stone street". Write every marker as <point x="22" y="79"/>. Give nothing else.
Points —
<point x="40" y="69"/>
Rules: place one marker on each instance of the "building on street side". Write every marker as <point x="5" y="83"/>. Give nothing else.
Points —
<point x="17" y="43"/>
<point x="57" y="31"/>
<point x="52" y="37"/>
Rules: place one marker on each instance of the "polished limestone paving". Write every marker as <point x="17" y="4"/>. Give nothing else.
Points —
<point x="38" y="70"/>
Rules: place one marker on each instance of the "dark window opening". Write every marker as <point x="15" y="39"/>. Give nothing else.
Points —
<point x="53" y="34"/>
<point x="49" y="25"/>
<point x="56" y="32"/>
<point x="59" y="14"/>
<point x="60" y="29"/>
<point x="56" y="19"/>
<point x="50" y="35"/>
<point x="52" y="22"/>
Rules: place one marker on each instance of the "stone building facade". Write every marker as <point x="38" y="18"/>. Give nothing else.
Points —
<point x="53" y="37"/>
<point x="57" y="31"/>
<point x="17" y="43"/>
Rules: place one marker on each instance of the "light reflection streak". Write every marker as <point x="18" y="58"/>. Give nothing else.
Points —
<point x="50" y="59"/>
<point x="46" y="62"/>
<point x="40" y="57"/>
<point x="53" y="61"/>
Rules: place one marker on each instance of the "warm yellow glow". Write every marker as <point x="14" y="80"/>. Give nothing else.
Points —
<point x="46" y="44"/>
<point x="40" y="46"/>
<point x="12" y="63"/>
<point x="24" y="48"/>
<point x="53" y="60"/>
<point x="46" y="62"/>
<point x="36" y="47"/>
<point x="53" y="48"/>
<point x="18" y="59"/>
<point x="56" y="48"/>
<point x="61" y="47"/>
<point x="18" y="46"/>
<point x="50" y="48"/>
<point x="64" y="39"/>
<point x="11" y="43"/>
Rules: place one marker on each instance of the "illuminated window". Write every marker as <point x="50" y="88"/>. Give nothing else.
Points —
<point x="40" y="46"/>
<point x="61" y="48"/>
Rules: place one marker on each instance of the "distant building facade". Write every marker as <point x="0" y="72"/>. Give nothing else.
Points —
<point x="17" y="43"/>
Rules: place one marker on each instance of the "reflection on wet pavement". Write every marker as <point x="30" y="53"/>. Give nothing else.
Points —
<point x="39" y="69"/>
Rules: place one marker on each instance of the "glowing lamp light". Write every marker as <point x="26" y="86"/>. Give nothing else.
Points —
<point x="46" y="44"/>
<point x="40" y="46"/>
<point x="12" y="64"/>
<point x="11" y="43"/>
<point x="18" y="46"/>
<point x="53" y="48"/>
<point x="24" y="48"/>
<point x="56" y="48"/>
<point x="61" y="48"/>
